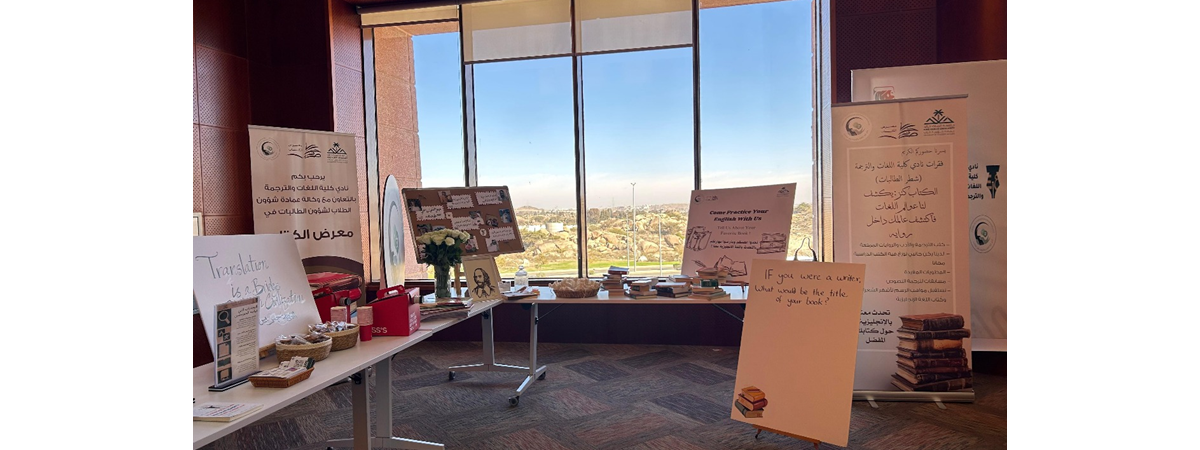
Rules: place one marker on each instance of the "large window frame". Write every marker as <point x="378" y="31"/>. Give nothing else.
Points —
<point x="821" y="88"/>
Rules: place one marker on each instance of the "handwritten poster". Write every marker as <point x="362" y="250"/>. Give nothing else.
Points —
<point x="728" y="228"/>
<point x="986" y="84"/>
<point x="267" y="266"/>
<point x="901" y="208"/>
<point x="305" y="184"/>
<point x="796" y="363"/>
<point x="235" y="350"/>
<point x="489" y="218"/>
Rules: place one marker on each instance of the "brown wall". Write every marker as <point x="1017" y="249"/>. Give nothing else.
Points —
<point x="870" y="34"/>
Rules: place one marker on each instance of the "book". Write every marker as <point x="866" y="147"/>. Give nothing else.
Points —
<point x="753" y="394"/>
<point x="747" y="412"/>
<point x="932" y="322"/>
<point x="948" y="353"/>
<point x="932" y="369"/>
<point x="920" y="363"/>
<point x="223" y="412"/>
<point x="936" y="386"/>
<point x="752" y="405"/>
<point x="930" y="344"/>
<point x="919" y="378"/>
<point x="959" y="333"/>
<point x="640" y="296"/>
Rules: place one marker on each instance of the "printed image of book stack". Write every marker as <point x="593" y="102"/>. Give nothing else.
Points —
<point x="674" y="289"/>
<point x="751" y="402"/>
<point x="445" y="309"/>
<point x="614" y="280"/>
<point x="642" y="289"/>
<point x="930" y="355"/>
<point x="707" y="285"/>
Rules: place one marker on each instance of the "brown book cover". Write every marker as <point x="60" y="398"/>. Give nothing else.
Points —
<point x="931" y="369"/>
<point x="948" y="353"/>
<point x="750" y="404"/>
<point x="747" y="412"/>
<point x="936" y="386"/>
<point x="754" y="394"/>
<point x="920" y="377"/>
<point x="919" y="363"/>
<point x="905" y="333"/>
<point x="930" y="344"/>
<point x="932" y="322"/>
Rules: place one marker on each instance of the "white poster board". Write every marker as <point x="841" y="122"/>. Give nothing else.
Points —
<point x="900" y="207"/>
<point x="729" y="228"/>
<point x="267" y="266"/>
<point x="986" y="85"/>
<point x="305" y="184"/>
<point x="798" y="348"/>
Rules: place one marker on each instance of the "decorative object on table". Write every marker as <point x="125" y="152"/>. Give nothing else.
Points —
<point x="339" y="314"/>
<point x="575" y="288"/>
<point x="222" y="412"/>
<point x="366" y="318"/>
<point x="397" y="311"/>
<point x="312" y="345"/>
<point x="344" y="334"/>
<point x="522" y="292"/>
<point x="443" y="250"/>
<point x="482" y="277"/>
<point x="289" y="372"/>
<point x="521" y="278"/>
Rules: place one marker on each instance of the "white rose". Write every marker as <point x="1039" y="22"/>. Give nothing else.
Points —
<point x="438" y="239"/>
<point x="449" y="241"/>
<point x="424" y="239"/>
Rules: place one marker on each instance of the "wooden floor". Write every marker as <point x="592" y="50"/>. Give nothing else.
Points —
<point x="599" y="396"/>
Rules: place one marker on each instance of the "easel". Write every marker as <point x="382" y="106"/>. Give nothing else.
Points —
<point x="816" y="443"/>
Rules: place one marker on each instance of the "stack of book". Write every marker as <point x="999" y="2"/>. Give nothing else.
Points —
<point x="707" y="285"/>
<point x="720" y="275"/>
<point x="642" y="289"/>
<point x="673" y="289"/>
<point x="751" y="402"/>
<point x="455" y="309"/>
<point x="930" y="355"/>
<point x="614" y="280"/>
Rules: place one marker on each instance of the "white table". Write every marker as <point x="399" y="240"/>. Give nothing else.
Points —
<point x="355" y="363"/>
<point x="737" y="296"/>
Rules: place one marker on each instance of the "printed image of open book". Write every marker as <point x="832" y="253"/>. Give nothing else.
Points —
<point x="751" y="402"/>
<point x="727" y="264"/>
<point x="772" y="243"/>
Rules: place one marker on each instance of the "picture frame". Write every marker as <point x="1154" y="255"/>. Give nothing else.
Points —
<point x="483" y="278"/>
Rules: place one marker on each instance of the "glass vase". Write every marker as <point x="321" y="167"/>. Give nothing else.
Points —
<point x="441" y="276"/>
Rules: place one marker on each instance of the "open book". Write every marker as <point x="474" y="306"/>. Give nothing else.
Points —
<point x="223" y="412"/>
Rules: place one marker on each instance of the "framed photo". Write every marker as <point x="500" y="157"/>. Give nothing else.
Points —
<point x="483" y="278"/>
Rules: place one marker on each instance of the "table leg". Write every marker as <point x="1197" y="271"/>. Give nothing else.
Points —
<point x="383" y="414"/>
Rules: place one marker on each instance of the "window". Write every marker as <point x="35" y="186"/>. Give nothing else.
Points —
<point x="557" y="97"/>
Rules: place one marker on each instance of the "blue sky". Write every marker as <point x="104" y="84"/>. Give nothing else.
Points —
<point x="756" y="106"/>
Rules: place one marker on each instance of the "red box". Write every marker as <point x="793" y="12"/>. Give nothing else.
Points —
<point x="395" y="313"/>
<point x="325" y="300"/>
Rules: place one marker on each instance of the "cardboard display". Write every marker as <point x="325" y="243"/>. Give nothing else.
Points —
<point x="729" y="228"/>
<point x="486" y="213"/>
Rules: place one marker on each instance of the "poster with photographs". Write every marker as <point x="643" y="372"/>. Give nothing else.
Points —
<point x="483" y="278"/>
<point x="486" y="213"/>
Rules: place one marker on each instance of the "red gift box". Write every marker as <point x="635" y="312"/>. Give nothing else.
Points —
<point x="395" y="313"/>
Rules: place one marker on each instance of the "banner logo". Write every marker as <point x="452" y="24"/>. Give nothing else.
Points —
<point x="337" y="154"/>
<point x="857" y="127"/>
<point x="310" y="151"/>
<point x="885" y="93"/>
<point x="905" y="130"/>
<point x="983" y="234"/>
<point x="939" y="124"/>
<point x="267" y="150"/>
<point x="783" y="192"/>
<point x="993" y="179"/>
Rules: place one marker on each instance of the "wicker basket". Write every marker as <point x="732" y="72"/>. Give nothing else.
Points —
<point x="581" y="290"/>
<point x="274" y="382"/>
<point x="344" y="339"/>
<point x="317" y="351"/>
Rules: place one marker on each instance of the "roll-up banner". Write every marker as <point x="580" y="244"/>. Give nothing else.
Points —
<point x="305" y="184"/>
<point x="986" y="85"/>
<point x="900" y="208"/>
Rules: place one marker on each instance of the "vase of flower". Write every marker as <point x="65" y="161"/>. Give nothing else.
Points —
<point x="443" y="250"/>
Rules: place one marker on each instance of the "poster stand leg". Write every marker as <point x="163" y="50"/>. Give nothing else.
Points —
<point x="816" y="443"/>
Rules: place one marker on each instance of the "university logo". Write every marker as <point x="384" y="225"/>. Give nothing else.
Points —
<point x="938" y="118"/>
<point x="856" y="127"/>
<point x="983" y="234"/>
<point x="885" y="93"/>
<point x="337" y="154"/>
<point x="783" y="192"/>
<point x="310" y="151"/>
<point x="267" y="150"/>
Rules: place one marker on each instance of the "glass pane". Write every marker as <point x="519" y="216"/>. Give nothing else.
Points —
<point x="756" y="102"/>
<point x="638" y="137"/>
<point x="525" y="136"/>
<point x="418" y="81"/>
